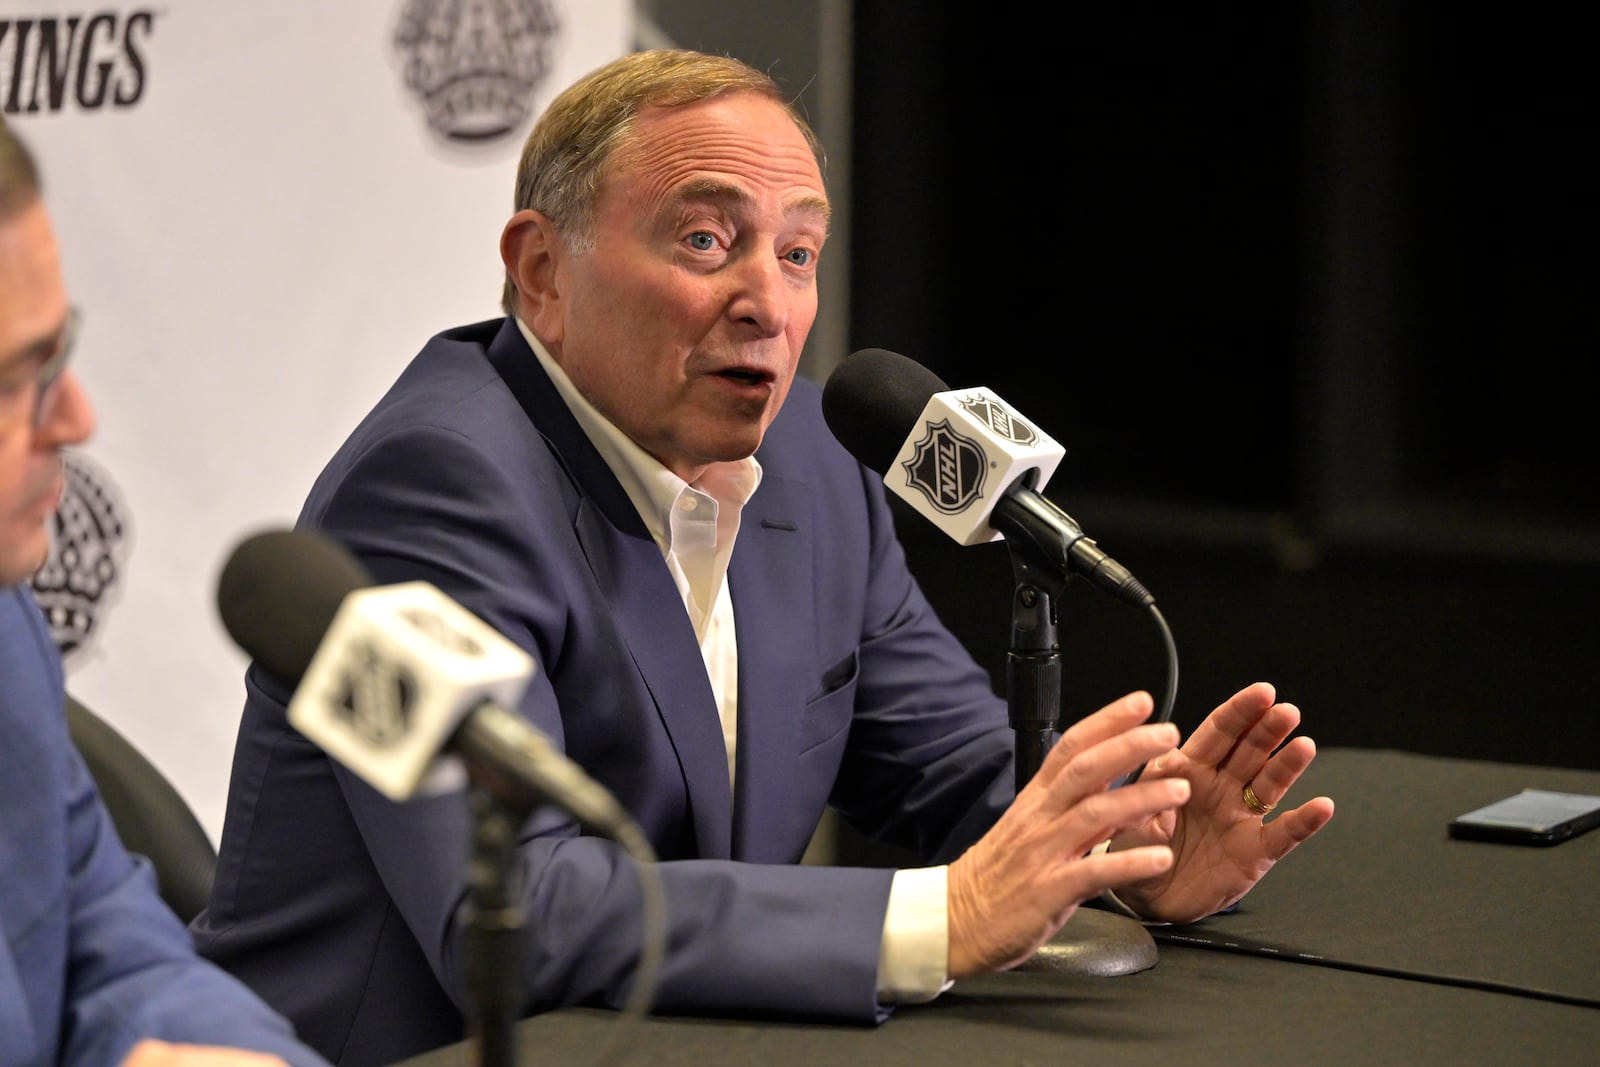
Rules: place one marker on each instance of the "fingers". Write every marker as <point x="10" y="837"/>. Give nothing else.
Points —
<point x="1242" y="762"/>
<point x="1071" y="793"/>
<point x="1287" y="829"/>
<point x="1116" y="717"/>
<point x="1279" y="772"/>
<point x="1242" y="734"/>
<point x="1284" y="833"/>
<point x="1307" y="819"/>
<point x="1102" y="814"/>
<point x="1016" y="887"/>
<point x="152" y="1053"/>
<point x="1112" y="721"/>
<point x="1216" y="737"/>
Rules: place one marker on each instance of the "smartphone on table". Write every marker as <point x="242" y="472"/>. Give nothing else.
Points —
<point x="1531" y="817"/>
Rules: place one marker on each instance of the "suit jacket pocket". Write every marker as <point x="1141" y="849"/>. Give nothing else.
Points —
<point x="827" y="711"/>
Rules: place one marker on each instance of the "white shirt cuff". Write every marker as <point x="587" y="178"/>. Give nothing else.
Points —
<point x="915" y="953"/>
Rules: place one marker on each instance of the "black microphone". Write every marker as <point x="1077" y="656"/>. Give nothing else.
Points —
<point x="391" y="679"/>
<point x="965" y="460"/>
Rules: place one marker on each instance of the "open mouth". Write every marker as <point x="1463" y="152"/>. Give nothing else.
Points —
<point x="745" y="376"/>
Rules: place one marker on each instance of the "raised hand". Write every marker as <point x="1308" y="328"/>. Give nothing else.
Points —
<point x="1239" y="763"/>
<point x="1016" y="887"/>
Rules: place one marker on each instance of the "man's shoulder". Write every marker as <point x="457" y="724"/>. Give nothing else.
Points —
<point x="459" y="346"/>
<point x="453" y="364"/>
<point x="476" y="334"/>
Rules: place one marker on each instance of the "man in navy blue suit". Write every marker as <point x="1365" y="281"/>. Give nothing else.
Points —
<point x="626" y="477"/>
<point x="94" y="968"/>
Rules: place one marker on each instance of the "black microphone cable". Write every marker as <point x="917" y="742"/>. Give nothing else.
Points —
<point x="1169" y="694"/>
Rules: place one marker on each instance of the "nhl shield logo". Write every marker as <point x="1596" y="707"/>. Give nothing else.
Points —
<point x="375" y="698"/>
<point x="999" y="418"/>
<point x="440" y="633"/>
<point x="947" y="468"/>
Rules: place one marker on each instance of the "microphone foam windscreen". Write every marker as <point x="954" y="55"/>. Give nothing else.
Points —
<point x="279" y="592"/>
<point x="872" y="401"/>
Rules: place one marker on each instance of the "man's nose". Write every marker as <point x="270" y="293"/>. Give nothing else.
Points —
<point x="67" y="416"/>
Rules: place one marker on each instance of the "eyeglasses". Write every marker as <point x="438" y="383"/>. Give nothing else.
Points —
<point x="30" y="381"/>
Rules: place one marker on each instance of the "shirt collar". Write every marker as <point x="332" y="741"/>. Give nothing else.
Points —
<point x="651" y="487"/>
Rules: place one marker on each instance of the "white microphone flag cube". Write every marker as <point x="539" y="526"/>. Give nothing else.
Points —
<point x="396" y="672"/>
<point x="966" y="450"/>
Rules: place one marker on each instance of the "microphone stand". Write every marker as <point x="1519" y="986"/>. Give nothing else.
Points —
<point x="1094" y="941"/>
<point x="495" y="919"/>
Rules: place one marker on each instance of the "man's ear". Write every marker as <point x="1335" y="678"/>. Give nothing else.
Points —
<point x="530" y="249"/>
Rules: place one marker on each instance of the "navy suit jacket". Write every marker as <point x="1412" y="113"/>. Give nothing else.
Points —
<point x="91" y="959"/>
<point x="346" y="910"/>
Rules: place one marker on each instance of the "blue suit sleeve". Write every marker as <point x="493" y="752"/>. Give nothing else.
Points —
<point x="132" y="971"/>
<point x="91" y="958"/>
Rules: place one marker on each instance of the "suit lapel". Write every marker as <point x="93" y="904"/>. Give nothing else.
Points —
<point x="637" y="587"/>
<point x="647" y="609"/>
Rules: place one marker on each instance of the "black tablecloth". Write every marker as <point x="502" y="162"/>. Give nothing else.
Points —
<point x="1382" y="941"/>
<point x="1385" y="887"/>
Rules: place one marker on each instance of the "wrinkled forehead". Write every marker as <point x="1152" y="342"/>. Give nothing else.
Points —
<point x="740" y="141"/>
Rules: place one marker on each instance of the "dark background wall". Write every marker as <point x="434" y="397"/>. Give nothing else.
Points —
<point x="1306" y="292"/>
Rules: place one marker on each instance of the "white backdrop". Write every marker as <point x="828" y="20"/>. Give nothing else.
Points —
<point x="261" y="231"/>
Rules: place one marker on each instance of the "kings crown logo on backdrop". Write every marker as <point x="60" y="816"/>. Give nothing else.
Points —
<point x="474" y="65"/>
<point x="88" y="549"/>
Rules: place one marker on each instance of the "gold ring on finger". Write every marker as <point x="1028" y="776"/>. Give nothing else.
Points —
<point x="1253" y="802"/>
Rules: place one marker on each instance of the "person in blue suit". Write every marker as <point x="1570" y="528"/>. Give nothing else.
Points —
<point x="94" y="967"/>
<point x="626" y="477"/>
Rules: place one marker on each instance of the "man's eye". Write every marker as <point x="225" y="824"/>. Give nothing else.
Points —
<point x="800" y="257"/>
<point x="701" y="241"/>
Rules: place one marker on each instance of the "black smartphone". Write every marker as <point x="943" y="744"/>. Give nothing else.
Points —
<point x="1531" y="817"/>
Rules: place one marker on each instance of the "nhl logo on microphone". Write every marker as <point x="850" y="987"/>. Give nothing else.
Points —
<point x="947" y="468"/>
<point x="971" y="449"/>
<point x="992" y="412"/>
<point x="397" y="671"/>
<point x="374" y="697"/>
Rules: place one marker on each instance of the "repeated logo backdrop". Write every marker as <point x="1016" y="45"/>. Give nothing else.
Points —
<point x="264" y="211"/>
